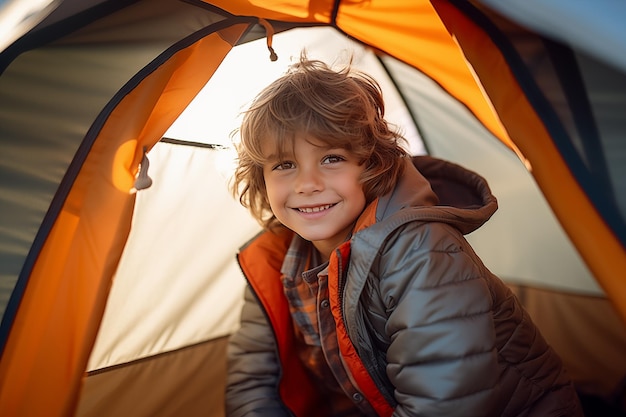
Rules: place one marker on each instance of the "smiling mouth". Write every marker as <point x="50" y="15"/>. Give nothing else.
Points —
<point x="314" y="209"/>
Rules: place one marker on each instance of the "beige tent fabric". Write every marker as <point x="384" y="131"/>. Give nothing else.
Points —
<point x="188" y="382"/>
<point x="586" y="332"/>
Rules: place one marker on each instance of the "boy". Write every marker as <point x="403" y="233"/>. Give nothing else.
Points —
<point x="364" y="298"/>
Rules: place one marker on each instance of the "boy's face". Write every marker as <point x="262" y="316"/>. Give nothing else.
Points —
<point x="315" y="191"/>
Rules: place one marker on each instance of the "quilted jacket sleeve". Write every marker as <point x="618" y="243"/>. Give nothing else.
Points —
<point x="253" y="369"/>
<point x="442" y="358"/>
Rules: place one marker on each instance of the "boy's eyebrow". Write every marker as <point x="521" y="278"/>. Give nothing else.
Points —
<point x="275" y="156"/>
<point x="270" y="157"/>
<point x="283" y="155"/>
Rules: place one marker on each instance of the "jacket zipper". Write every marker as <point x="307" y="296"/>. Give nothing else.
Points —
<point x="340" y="284"/>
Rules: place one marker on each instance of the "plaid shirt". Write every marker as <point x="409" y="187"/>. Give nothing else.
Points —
<point x="305" y="281"/>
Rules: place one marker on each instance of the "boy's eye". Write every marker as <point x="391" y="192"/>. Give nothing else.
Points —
<point x="283" y="165"/>
<point x="331" y="159"/>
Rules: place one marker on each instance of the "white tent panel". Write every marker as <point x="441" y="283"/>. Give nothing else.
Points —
<point x="178" y="282"/>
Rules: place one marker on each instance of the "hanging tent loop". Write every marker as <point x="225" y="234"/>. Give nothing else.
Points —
<point x="143" y="181"/>
<point x="269" y="30"/>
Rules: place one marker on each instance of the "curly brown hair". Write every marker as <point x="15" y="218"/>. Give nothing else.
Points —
<point x="342" y="109"/>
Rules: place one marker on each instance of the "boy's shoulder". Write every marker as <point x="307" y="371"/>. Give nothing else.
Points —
<point x="405" y="228"/>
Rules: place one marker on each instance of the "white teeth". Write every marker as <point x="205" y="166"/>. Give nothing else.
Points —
<point x="314" y="209"/>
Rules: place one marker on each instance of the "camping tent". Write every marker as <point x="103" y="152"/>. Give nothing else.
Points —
<point x="112" y="296"/>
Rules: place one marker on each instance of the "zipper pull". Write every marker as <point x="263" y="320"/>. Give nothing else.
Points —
<point x="143" y="181"/>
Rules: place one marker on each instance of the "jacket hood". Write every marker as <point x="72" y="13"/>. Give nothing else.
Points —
<point x="442" y="191"/>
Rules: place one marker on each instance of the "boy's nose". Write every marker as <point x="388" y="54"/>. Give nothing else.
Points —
<point x="308" y="181"/>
